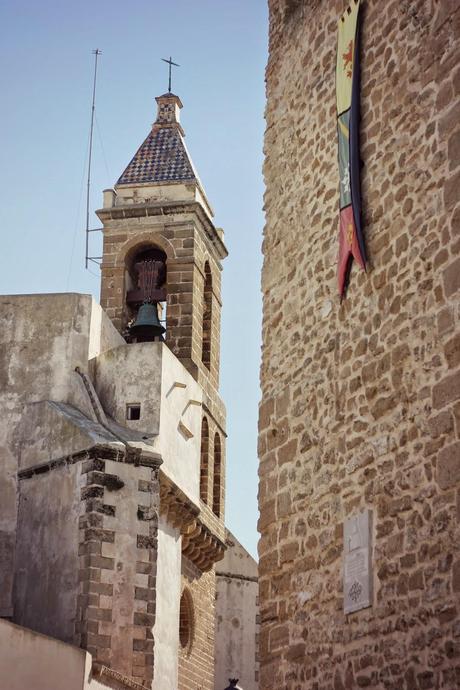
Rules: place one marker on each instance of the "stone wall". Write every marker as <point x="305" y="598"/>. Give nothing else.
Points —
<point x="168" y="591"/>
<point x="86" y="560"/>
<point x="118" y="564"/>
<point x="169" y="401"/>
<point x="236" y="617"/>
<point x="31" y="660"/>
<point x="361" y="399"/>
<point x="196" y="659"/>
<point x="38" y="357"/>
<point x="46" y="583"/>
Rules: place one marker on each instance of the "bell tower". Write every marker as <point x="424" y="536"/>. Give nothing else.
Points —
<point x="161" y="275"/>
<point x="161" y="268"/>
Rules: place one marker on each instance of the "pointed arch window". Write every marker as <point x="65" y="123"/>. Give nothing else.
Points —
<point x="207" y="317"/>
<point x="204" y="460"/>
<point x="217" y="475"/>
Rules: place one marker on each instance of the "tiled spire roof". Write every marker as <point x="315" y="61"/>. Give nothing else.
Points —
<point x="163" y="156"/>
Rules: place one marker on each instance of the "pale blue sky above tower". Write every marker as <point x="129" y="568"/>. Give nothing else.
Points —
<point x="45" y="81"/>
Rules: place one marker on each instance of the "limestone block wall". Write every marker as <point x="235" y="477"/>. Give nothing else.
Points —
<point x="196" y="659"/>
<point x="361" y="399"/>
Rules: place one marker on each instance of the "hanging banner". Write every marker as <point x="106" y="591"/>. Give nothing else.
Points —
<point x="351" y="243"/>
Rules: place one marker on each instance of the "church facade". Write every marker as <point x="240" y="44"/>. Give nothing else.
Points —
<point x="113" y="439"/>
<point x="359" y="446"/>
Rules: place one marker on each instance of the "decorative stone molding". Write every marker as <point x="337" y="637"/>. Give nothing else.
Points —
<point x="112" y="679"/>
<point x="175" y="506"/>
<point x="165" y="208"/>
<point x="199" y="543"/>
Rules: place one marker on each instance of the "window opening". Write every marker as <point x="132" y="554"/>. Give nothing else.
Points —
<point x="217" y="476"/>
<point x="186" y="621"/>
<point x="207" y="317"/>
<point x="204" y="460"/>
<point x="133" y="411"/>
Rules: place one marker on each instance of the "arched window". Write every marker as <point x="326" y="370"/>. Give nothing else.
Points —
<point x="207" y="317"/>
<point x="186" y="621"/>
<point x="204" y="462"/>
<point x="217" y="475"/>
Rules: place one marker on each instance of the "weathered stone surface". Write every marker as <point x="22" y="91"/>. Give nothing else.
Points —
<point x="361" y="398"/>
<point x="448" y="466"/>
<point x="447" y="390"/>
<point x="452" y="275"/>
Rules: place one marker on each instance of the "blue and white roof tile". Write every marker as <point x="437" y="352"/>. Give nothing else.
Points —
<point x="161" y="158"/>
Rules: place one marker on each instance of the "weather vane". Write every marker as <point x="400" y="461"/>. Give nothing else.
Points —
<point x="170" y="63"/>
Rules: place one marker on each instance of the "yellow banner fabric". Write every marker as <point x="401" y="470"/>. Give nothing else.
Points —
<point x="345" y="53"/>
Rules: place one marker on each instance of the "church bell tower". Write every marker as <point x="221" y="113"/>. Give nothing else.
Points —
<point x="161" y="268"/>
<point x="161" y="274"/>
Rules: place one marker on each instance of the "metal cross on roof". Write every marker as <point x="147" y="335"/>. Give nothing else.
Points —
<point x="170" y="63"/>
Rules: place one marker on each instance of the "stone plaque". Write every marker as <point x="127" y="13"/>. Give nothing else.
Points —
<point x="357" y="566"/>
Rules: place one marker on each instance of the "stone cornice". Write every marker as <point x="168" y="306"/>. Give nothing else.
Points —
<point x="233" y="576"/>
<point x="112" y="679"/>
<point x="102" y="451"/>
<point x="201" y="546"/>
<point x="199" y="543"/>
<point x="165" y="208"/>
<point x="175" y="506"/>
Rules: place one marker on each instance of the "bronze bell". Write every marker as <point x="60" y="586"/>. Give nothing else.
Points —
<point x="147" y="325"/>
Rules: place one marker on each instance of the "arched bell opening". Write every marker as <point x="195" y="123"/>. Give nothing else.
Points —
<point x="145" y="284"/>
<point x="207" y="317"/>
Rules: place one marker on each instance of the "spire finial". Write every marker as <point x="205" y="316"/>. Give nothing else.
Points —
<point x="170" y="63"/>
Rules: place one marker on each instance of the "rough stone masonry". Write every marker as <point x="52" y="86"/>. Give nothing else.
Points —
<point x="361" y="399"/>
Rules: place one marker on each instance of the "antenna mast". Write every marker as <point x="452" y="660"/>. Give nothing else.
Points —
<point x="96" y="54"/>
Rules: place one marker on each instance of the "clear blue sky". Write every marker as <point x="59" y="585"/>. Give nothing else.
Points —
<point x="46" y="73"/>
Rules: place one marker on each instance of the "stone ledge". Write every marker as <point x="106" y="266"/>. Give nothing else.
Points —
<point x="165" y="208"/>
<point x="232" y="576"/>
<point x="199" y="543"/>
<point x="175" y="505"/>
<point x="113" y="679"/>
<point x="127" y="455"/>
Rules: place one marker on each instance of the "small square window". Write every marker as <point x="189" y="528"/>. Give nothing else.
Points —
<point x="133" y="411"/>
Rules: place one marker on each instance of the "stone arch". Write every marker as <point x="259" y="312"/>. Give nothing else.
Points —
<point x="204" y="460"/>
<point x="124" y="259"/>
<point x="217" y="476"/>
<point x="186" y="621"/>
<point x="206" y="342"/>
<point x="147" y="251"/>
<point x="145" y="280"/>
<point x="145" y="239"/>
